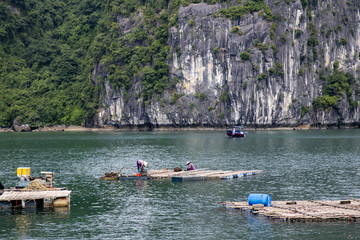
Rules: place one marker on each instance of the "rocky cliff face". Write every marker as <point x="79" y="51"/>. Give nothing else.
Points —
<point x="249" y="71"/>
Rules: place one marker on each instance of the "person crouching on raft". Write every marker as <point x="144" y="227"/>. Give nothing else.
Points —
<point x="141" y="165"/>
<point x="190" y="166"/>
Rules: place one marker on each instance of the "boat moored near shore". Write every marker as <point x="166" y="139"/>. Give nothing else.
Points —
<point x="236" y="131"/>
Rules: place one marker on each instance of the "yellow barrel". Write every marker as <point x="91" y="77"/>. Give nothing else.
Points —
<point x="23" y="171"/>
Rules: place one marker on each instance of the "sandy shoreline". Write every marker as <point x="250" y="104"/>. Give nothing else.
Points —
<point x="63" y="128"/>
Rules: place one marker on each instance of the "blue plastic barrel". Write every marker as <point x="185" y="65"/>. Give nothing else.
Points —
<point x="255" y="198"/>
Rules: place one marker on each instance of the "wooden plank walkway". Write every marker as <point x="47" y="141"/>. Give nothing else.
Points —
<point x="304" y="211"/>
<point x="32" y="195"/>
<point x="200" y="174"/>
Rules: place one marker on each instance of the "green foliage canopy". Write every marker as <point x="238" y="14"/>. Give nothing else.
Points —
<point x="46" y="61"/>
<point x="249" y="6"/>
<point x="338" y="84"/>
<point x="48" y="50"/>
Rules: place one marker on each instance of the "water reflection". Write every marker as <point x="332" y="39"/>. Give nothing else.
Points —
<point x="259" y="227"/>
<point x="141" y="184"/>
<point x="28" y="220"/>
<point x="23" y="223"/>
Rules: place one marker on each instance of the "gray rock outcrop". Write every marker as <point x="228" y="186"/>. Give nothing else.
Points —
<point x="276" y="86"/>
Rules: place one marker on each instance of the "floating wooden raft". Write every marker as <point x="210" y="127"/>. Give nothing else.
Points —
<point x="199" y="174"/>
<point x="30" y="195"/>
<point x="304" y="211"/>
<point x="53" y="197"/>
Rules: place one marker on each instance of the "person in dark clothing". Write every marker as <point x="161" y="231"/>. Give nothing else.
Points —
<point x="1" y="188"/>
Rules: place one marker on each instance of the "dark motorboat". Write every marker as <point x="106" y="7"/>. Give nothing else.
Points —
<point x="237" y="131"/>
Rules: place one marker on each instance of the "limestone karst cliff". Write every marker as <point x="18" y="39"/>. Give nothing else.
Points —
<point x="301" y="66"/>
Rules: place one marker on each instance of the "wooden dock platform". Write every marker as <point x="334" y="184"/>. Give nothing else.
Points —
<point x="56" y="197"/>
<point x="201" y="174"/>
<point x="169" y="174"/>
<point x="304" y="211"/>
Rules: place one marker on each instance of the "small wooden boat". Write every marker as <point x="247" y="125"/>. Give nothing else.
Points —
<point x="132" y="177"/>
<point x="119" y="176"/>
<point x="236" y="131"/>
<point x="110" y="176"/>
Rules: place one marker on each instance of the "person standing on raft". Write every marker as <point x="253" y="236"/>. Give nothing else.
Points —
<point x="190" y="166"/>
<point x="141" y="165"/>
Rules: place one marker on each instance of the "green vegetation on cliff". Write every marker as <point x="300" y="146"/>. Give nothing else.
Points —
<point x="141" y="54"/>
<point x="338" y="86"/>
<point x="249" y="6"/>
<point x="46" y="61"/>
<point x="48" y="50"/>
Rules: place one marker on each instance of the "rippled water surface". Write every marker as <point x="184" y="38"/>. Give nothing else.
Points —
<point x="298" y="165"/>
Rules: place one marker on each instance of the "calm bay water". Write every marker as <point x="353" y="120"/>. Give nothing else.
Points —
<point x="298" y="165"/>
